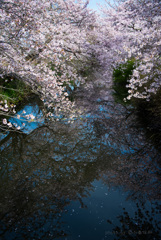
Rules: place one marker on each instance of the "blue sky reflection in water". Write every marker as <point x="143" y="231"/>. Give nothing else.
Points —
<point x="29" y="124"/>
<point x="102" y="204"/>
<point x="68" y="181"/>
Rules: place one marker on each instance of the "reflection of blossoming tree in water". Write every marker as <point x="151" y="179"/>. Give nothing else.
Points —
<point x="38" y="180"/>
<point x="57" y="162"/>
<point x="145" y="224"/>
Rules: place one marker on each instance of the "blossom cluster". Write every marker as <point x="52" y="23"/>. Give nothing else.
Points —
<point x="40" y="41"/>
<point x="132" y="30"/>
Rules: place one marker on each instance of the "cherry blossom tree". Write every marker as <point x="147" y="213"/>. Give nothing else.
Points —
<point x="41" y="43"/>
<point x="131" y="29"/>
<point x="45" y="43"/>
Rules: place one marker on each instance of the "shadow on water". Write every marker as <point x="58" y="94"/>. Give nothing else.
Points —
<point x="57" y="180"/>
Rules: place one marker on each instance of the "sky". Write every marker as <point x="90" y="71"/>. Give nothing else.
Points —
<point x="93" y="4"/>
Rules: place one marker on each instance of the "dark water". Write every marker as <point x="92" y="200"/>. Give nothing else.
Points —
<point x="96" y="178"/>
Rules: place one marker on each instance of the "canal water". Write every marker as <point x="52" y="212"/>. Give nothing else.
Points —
<point x="96" y="177"/>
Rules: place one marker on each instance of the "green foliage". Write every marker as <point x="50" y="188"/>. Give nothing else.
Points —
<point x="13" y="90"/>
<point x="151" y="109"/>
<point x="121" y="75"/>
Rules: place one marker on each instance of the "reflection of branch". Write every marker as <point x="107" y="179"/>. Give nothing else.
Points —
<point x="143" y="225"/>
<point x="10" y="136"/>
<point x="30" y="211"/>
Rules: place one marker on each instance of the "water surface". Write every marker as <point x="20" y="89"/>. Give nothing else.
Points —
<point x="95" y="178"/>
